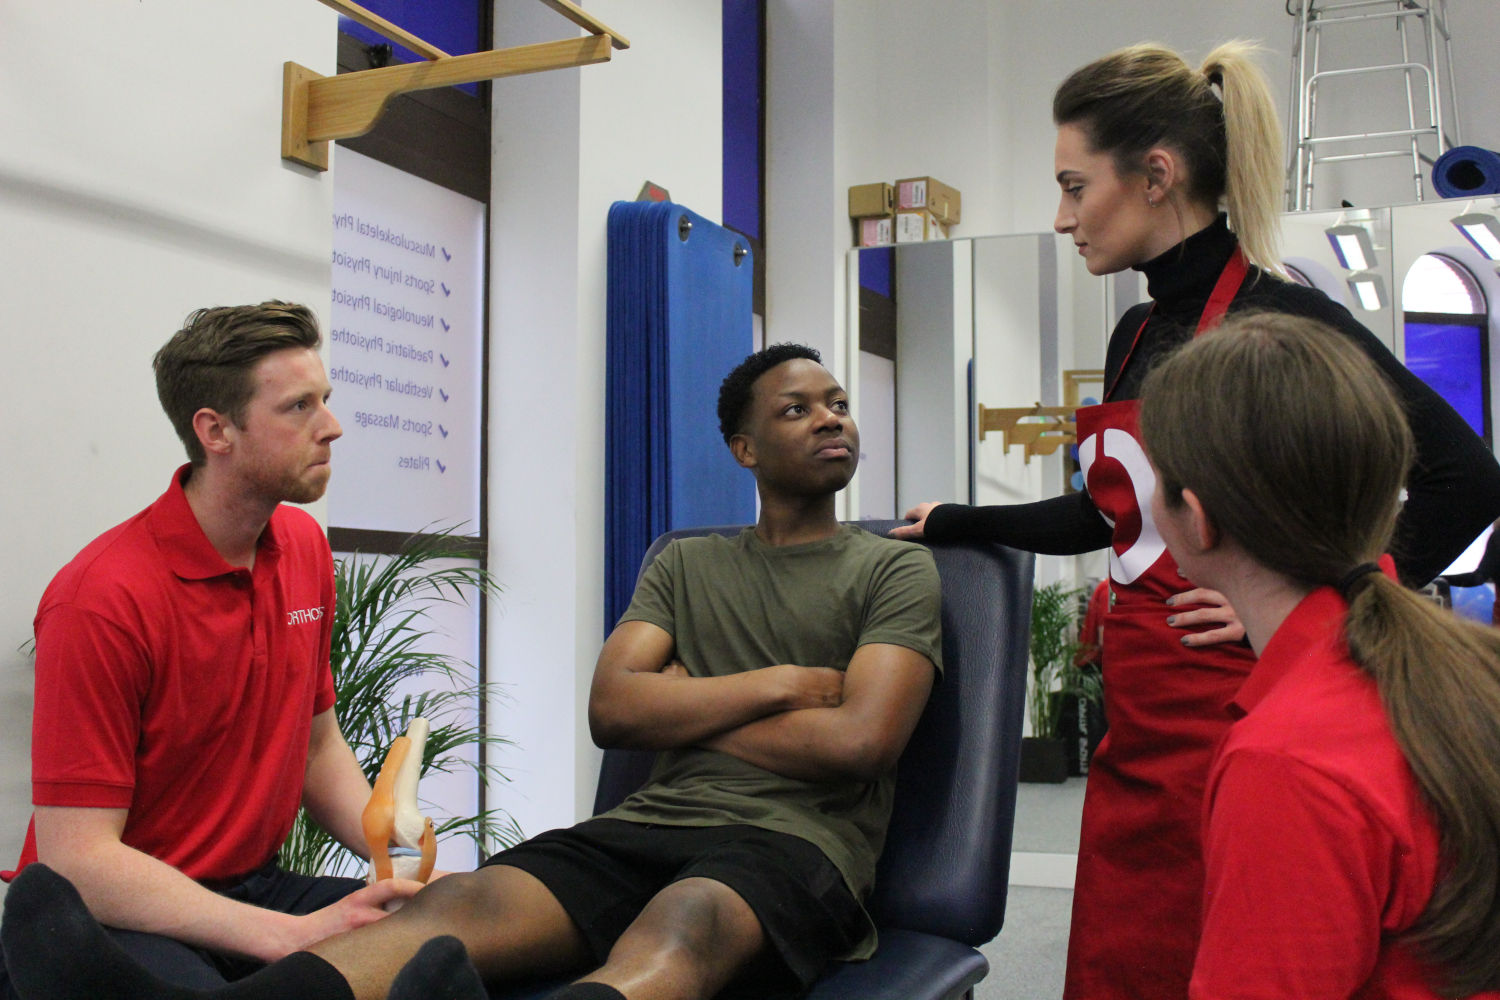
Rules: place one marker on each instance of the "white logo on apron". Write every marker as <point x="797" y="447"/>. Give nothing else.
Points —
<point x="1128" y="566"/>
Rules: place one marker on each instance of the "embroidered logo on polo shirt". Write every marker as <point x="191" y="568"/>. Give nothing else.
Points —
<point x="305" y="616"/>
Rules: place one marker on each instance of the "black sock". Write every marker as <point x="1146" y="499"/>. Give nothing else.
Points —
<point x="300" y="974"/>
<point x="587" y="991"/>
<point x="440" y="970"/>
<point x="56" y="950"/>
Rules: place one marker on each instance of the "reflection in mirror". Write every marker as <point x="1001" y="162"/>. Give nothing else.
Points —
<point x="939" y="328"/>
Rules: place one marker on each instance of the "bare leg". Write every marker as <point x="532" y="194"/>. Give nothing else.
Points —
<point x="687" y="944"/>
<point x="510" y="923"/>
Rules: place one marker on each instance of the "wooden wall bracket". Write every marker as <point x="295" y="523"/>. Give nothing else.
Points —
<point x="317" y="109"/>
<point x="1038" y="429"/>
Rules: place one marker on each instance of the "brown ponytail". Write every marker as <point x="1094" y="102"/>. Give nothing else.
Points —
<point x="1439" y="679"/>
<point x="1297" y="448"/>
<point x="1145" y="96"/>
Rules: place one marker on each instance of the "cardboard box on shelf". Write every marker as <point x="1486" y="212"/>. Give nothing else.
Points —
<point x="874" y="232"/>
<point x="944" y="202"/>
<point x="868" y="201"/>
<point x="918" y="226"/>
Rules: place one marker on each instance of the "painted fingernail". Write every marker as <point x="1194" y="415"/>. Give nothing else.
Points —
<point x="1171" y="619"/>
<point x="1170" y="602"/>
<point x="1185" y="640"/>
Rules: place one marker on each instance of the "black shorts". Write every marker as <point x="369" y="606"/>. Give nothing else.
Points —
<point x="605" y="871"/>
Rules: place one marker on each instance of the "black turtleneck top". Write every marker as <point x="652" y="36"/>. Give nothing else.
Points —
<point x="1453" y="491"/>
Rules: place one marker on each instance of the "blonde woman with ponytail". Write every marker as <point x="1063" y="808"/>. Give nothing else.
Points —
<point x="1175" y="171"/>
<point x="1352" y="835"/>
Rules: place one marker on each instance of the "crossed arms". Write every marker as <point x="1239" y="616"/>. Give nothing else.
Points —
<point x="805" y="722"/>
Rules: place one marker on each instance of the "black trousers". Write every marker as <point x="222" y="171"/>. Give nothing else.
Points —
<point x="270" y="888"/>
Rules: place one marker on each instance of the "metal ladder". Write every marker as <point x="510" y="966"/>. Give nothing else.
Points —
<point x="1307" y="146"/>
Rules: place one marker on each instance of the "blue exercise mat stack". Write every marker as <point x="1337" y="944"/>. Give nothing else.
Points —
<point x="679" y="318"/>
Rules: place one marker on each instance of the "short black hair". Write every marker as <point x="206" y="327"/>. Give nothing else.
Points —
<point x="735" y="391"/>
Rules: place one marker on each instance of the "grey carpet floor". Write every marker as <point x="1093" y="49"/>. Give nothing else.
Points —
<point x="1027" y="958"/>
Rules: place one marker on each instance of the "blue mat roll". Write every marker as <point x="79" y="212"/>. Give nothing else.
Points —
<point x="1466" y="171"/>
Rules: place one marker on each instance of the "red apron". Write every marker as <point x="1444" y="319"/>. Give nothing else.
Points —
<point x="1138" y="894"/>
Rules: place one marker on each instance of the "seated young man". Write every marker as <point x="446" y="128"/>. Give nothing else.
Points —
<point x="779" y="673"/>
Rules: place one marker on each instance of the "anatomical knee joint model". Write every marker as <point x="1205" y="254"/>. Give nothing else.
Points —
<point x="400" y="838"/>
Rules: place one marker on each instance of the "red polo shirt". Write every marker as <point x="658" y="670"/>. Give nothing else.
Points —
<point x="1318" y="847"/>
<point x="182" y="689"/>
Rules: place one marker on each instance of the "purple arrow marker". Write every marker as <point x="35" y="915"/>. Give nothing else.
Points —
<point x="443" y="429"/>
<point x="446" y="327"/>
<point x="443" y="358"/>
<point x="440" y="465"/>
<point x="446" y="290"/>
<point x="443" y="394"/>
<point x="446" y="254"/>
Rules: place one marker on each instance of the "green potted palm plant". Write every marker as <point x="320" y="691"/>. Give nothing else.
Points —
<point x="381" y="640"/>
<point x="1055" y="677"/>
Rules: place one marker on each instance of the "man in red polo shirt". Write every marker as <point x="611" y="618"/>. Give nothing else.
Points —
<point x="184" y="703"/>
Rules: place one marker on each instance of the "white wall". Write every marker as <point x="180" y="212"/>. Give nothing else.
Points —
<point x="140" y="178"/>
<point x="1032" y="69"/>
<point x="803" y="237"/>
<point x="917" y="96"/>
<point x="567" y="145"/>
<point x="859" y="92"/>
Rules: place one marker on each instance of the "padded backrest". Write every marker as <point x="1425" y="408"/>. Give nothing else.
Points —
<point x="946" y="862"/>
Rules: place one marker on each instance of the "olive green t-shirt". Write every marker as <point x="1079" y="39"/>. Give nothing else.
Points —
<point x="735" y="603"/>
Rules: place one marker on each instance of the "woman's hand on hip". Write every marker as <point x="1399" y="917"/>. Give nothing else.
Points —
<point x="1216" y="611"/>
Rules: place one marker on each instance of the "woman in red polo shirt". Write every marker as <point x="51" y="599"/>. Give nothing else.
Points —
<point x="1149" y="150"/>
<point x="1352" y="815"/>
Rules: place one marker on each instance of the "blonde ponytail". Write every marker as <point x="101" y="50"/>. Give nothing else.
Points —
<point x="1253" y="154"/>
